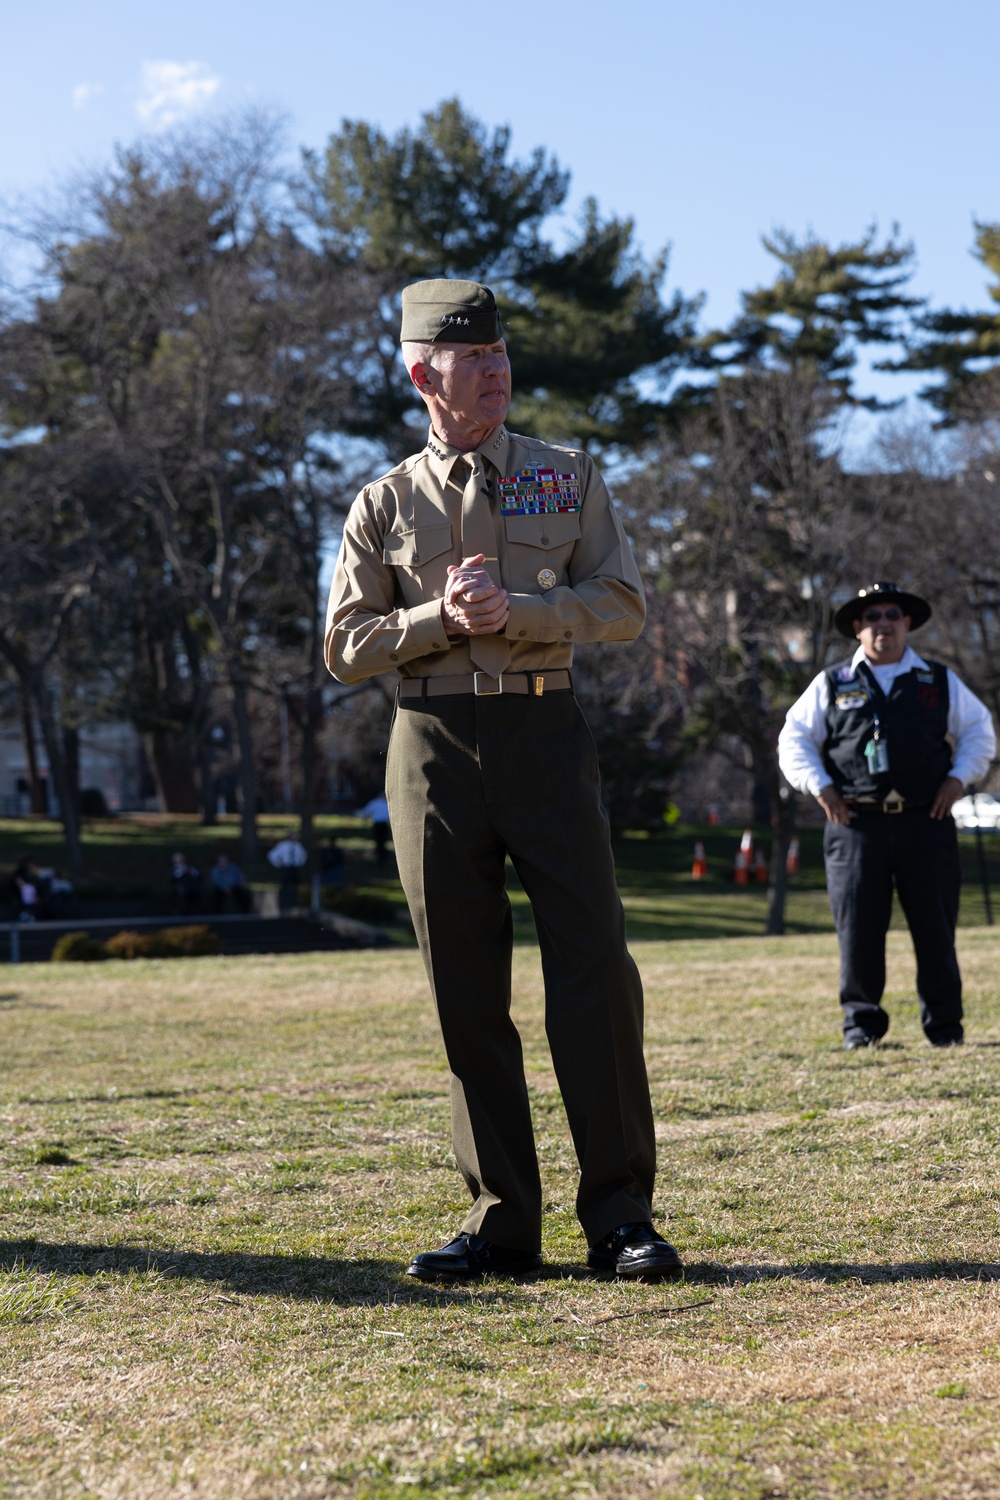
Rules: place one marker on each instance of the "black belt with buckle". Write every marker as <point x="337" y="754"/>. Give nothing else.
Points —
<point x="483" y="685"/>
<point x="890" y="805"/>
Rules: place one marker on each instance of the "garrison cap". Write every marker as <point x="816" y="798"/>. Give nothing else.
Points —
<point x="883" y="592"/>
<point x="449" y="312"/>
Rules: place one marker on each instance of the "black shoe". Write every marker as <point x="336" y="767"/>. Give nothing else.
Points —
<point x="859" y="1039"/>
<point x="469" y="1256"/>
<point x="636" y="1252"/>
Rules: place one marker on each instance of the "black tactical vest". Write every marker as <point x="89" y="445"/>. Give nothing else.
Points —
<point x="913" y="722"/>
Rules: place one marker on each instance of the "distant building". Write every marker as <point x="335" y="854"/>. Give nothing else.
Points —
<point x="110" y="761"/>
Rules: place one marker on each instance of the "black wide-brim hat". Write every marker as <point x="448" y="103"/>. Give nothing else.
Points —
<point x="883" y="592"/>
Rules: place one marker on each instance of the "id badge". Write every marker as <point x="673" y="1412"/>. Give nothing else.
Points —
<point x="877" y="755"/>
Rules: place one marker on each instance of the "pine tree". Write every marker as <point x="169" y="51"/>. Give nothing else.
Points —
<point x="962" y="347"/>
<point x="592" y="342"/>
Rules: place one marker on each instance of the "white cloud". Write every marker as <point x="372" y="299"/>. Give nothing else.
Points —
<point x="84" y="92"/>
<point x="171" y="90"/>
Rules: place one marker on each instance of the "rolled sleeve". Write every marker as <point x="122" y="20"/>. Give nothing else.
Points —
<point x="971" y="725"/>
<point x="367" y="632"/>
<point x="802" y="737"/>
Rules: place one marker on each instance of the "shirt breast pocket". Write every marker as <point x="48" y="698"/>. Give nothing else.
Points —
<point x="539" y="549"/>
<point x="417" y="546"/>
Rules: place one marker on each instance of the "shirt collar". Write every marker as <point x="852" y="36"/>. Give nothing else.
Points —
<point x="906" y="663"/>
<point x="492" y="450"/>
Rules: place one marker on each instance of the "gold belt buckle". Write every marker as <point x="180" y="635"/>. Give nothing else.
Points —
<point x="892" y="807"/>
<point x="539" y="684"/>
<point x="487" y="692"/>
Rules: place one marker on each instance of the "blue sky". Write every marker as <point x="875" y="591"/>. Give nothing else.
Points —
<point x="708" y="122"/>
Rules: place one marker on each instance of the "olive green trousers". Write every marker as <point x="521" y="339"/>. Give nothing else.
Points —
<point x="470" y="781"/>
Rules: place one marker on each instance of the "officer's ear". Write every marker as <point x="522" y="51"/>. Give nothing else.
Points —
<point x="857" y="627"/>
<point x="421" y="377"/>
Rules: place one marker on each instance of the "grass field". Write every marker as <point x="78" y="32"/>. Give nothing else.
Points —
<point x="213" y="1170"/>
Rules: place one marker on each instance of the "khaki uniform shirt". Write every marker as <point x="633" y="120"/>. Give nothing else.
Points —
<point x="402" y="532"/>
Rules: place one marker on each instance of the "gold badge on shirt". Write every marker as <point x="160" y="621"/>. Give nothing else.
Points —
<point x="546" y="578"/>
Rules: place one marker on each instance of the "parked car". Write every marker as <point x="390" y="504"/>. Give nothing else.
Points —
<point x="980" y="811"/>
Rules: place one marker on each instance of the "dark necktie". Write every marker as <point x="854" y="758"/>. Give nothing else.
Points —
<point x="489" y="652"/>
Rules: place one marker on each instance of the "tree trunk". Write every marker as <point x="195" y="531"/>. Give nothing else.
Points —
<point x="784" y="823"/>
<point x="71" y="751"/>
<point x="209" y="800"/>
<point x="310" y="765"/>
<point x="247" y="771"/>
<point x="36" y="788"/>
<point x="68" y="812"/>
<point x="169" y="755"/>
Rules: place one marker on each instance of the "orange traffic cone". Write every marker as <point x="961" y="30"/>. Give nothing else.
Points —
<point x="741" y="869"/>
<point x="760" y="867"/>
<point x="699" y="868"/>
<point x="792" y="860"/>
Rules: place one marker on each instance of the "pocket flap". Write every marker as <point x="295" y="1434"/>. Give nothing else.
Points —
<point x="543" y="531"/>
<point x="410" y="549"/>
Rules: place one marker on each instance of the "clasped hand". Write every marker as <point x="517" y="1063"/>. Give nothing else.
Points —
<point x="473" y="604"/>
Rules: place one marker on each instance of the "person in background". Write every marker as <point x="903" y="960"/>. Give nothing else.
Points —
<point x="378" y="811"/>
<point x="25" y="886"/>
<point x="185" y="885"/>
<point x="228" y="886"/>
<point x="869" y="739"/>
<point x="288" y="857"/>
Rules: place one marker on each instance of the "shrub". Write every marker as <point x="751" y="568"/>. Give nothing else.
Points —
<point x="92" y="803"/>
<point x="78" y="947"/>
<point x="362" y="905"/>
<point x="129" y="945"/>
<point x="169" y="942"/>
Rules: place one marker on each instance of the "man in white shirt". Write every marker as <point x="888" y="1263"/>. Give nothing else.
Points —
<point x="869" y="739"/>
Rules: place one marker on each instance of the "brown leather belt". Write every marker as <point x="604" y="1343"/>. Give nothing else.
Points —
<point x="532" y="684"/>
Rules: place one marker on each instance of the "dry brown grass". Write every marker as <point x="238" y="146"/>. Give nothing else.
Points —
<point x="203" y="1298"/>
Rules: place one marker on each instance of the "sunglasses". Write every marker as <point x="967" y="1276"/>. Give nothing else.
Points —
<point x="872" y="616"/>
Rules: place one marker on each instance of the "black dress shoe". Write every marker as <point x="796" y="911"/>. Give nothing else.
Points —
<point x="636" y="1252"/>
<point x="470" y="1256"/>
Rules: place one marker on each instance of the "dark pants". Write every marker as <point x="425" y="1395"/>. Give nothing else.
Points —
<point x="469" y="781"/>
<point x="863" y="859"/>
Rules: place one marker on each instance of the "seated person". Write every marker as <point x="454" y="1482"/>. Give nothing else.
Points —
<point x="185" y="885"/>
<point x="227" y="881"/>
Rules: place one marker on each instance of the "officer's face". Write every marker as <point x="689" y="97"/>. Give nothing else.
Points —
<point x="882" y="631"/>
<point x="469" y="384"/>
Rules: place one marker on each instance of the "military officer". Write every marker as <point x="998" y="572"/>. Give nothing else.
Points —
<point x="471" y="569"/>
<point x="869" y="739"/>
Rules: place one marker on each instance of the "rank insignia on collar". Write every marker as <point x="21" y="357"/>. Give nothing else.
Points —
<point x="533" y="491"/>
<point x="546" y="578"/>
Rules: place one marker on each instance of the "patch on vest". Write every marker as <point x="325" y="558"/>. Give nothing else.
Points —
<point x="845" y="674"/>
<point x="539" y="492"/>
<point x="851" y="700"/>
<point x="927" y="694"/>
<point x="923" y="674"/>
